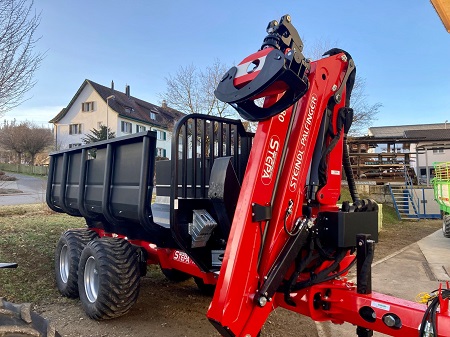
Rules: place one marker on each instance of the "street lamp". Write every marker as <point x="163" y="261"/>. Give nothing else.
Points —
<point x="107" y="123"/>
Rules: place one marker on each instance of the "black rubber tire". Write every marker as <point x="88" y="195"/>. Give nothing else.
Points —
<point x="206" y="289"/>
<point x="446" y="226"/>
<point x="17" y="320"/>
<point x="73" y="242"/>
<point x="175" y="275"/>
<point x="116" y="266"/>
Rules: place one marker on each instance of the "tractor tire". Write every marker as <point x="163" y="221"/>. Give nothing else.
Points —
<point x="446" y="225"/>
<point x="17" y="320"/>
<point x="205" y="289"/>
<point x="175" y="275"/>
<point x="67" y="257"/>
<point x="108" y="278"/>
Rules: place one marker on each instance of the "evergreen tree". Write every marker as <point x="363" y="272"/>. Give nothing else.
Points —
<point x="98" y="135"/>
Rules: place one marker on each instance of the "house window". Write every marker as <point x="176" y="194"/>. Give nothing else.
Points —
<point x="129" y="109"/>
<point x="160" y="152"/>
<point x="140" y="128"/>
<point x="74" y="145"/>
<point x="126" y="127"/>
<point x="152" y="115"/>
<point x="74" y="129"/>
<point x="87" y="106"/>
<point x="437" y="151"/>
<point x="161" y="135"/>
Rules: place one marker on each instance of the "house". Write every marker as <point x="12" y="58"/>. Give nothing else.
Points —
<point x="416" y="146"/>
<point x="94" y="105"/>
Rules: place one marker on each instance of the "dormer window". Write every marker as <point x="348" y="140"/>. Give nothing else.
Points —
<point x="87" y="106"/>
<point x="153" y="114"/>
<point x="129" y="109"/>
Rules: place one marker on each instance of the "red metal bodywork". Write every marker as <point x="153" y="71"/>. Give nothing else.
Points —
<point x="250" y="254"/>
<point x="167" y="258"/>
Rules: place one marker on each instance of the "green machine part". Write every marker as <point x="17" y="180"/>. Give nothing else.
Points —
<point x="441" y="184"/>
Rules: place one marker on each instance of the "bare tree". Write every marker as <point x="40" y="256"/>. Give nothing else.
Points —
<point x="364" y="111"/>
<point x="36" y="140"/>
<point x="18" y="59"/>
<point x="25" y="137"/>
<point x="11" y="138"/>
<point x="191" y="90"/>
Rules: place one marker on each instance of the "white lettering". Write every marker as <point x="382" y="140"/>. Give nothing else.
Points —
<point x="293" y="183"/>
<point x="270" y="160"/>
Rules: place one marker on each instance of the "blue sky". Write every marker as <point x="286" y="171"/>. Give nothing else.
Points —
<point x="400" y="47"/>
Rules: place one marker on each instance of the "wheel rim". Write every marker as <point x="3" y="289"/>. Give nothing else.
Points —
<point x="91" y="279"/>
<point x="64" y="264"/>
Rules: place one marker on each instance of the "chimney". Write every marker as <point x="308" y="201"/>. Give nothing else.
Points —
<point x="112" y="85"/>
<point x="127" y="90"/>
<point x="164" y="104"/>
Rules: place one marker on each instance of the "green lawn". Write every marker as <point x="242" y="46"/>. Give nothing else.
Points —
<point x="29" y="234"/>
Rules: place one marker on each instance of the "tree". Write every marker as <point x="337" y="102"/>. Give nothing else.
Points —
<point x="25" y="138"/>
<point x="11" y="138"/>
<point x="36" y="139"/>
<point x="98" y="135"/>
<point x="191" y="90"/>
<point x="364" y="112"/>
<point x="18" y="59"/>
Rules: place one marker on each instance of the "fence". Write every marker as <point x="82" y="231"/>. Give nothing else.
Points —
<point x="27" y="169"/>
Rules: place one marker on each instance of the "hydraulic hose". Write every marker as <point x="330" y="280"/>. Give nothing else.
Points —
<point x="349" y="174"/>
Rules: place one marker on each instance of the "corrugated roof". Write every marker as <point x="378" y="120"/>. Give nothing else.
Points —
<point x="399" y="130"/>
<point x="128" y="107"/>
<point x="436" y="134"/>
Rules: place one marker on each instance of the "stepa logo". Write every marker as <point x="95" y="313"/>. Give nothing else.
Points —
<point x="269" y="161"/>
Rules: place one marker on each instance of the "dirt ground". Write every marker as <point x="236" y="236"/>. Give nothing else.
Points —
<point x="167" y="309"/>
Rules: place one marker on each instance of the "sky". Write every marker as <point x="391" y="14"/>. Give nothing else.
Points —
<point x="400" y="48"/>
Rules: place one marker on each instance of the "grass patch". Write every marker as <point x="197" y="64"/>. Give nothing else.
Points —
<point x="29" y="236"/>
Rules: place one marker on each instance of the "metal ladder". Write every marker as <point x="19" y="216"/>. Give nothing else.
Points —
<point x="404" y="199"/>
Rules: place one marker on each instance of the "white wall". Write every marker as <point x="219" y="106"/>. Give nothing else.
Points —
<point x="89" y="120"/>
<point x="429" y="158"/>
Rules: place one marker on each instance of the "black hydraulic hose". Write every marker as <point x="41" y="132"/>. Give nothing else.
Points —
<point x="349" y="174"/>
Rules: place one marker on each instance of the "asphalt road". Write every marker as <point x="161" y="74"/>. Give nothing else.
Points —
<point x="33" y="190"/>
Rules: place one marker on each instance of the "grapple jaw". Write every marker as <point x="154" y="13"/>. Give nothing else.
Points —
<point x="278" y="70"/>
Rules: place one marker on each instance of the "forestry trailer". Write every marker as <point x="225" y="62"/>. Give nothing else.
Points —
<point x="253" y="215"/>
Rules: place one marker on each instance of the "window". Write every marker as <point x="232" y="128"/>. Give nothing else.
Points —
<point x="74" y="129"/>
<point x="87" y="106"/>
<point x="160" y="152"/>
<point x="140" y="128"/>
<point x="438" y="150"/>
<point x="129" y="109"/>
<point x="126" y="127"/>
<point x="74" y="145"/>
<point x="161" y="135"/>
<point x="152" y="115"/>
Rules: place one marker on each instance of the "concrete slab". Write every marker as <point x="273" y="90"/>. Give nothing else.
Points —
<point x="436" y="249"/>
<point x="404" y="274"/>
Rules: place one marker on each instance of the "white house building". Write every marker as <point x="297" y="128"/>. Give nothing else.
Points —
<point x="94" y="105"/>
